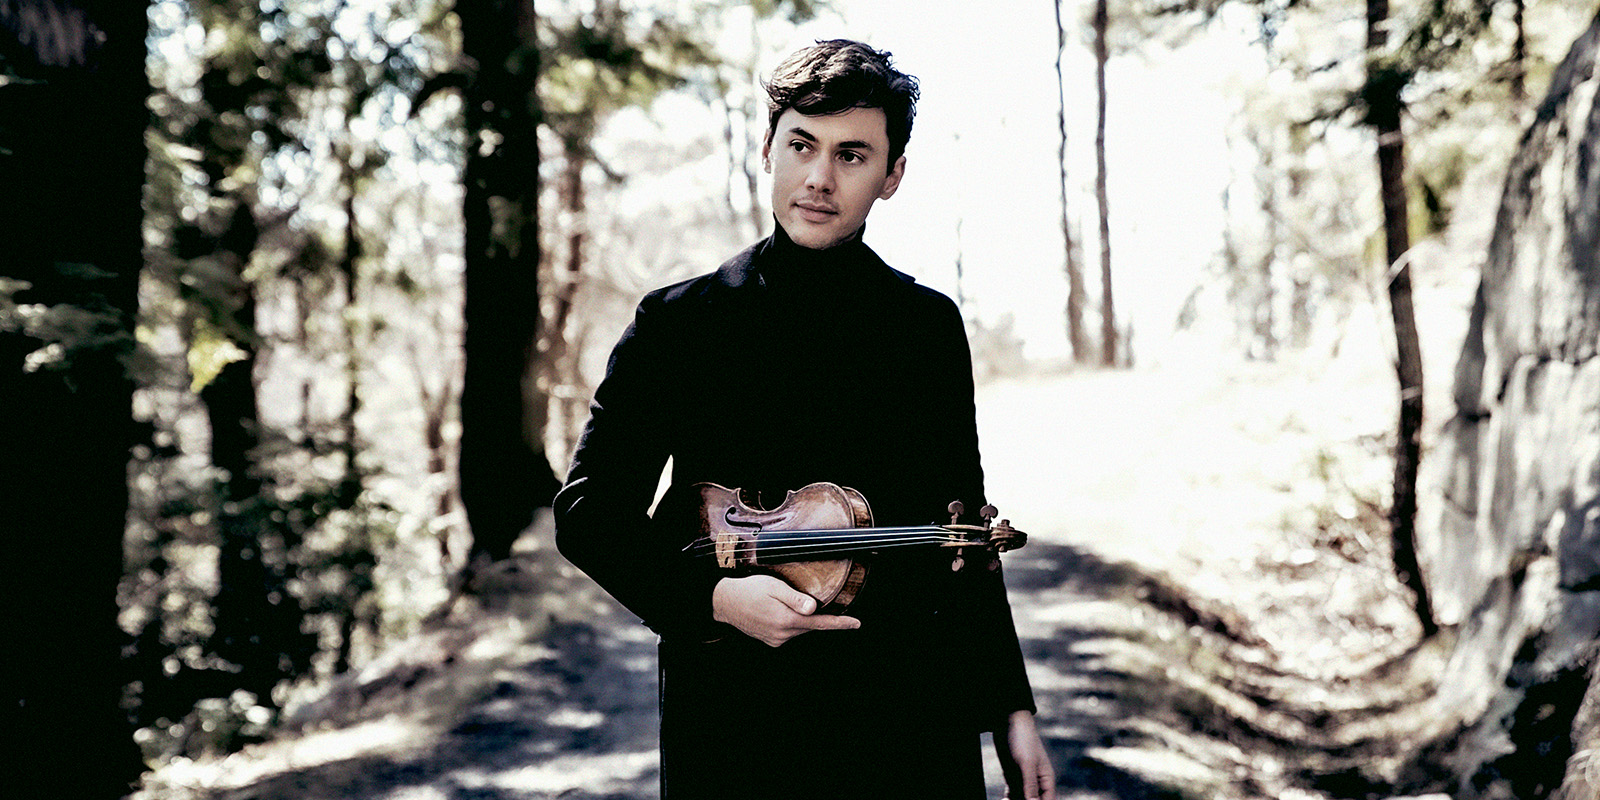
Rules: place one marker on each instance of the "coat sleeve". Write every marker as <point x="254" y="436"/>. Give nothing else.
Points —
<point x="995" y="650"/>
<point x="602" y="512"/>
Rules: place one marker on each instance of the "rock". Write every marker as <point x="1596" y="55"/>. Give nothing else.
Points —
<point x="1513" y="558"/>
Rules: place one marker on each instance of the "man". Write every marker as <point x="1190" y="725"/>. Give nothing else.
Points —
<point x="805" y="359"/>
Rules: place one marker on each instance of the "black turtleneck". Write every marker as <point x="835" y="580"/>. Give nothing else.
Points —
<point x="782" y="262"/>
<point x="789" y="366"/>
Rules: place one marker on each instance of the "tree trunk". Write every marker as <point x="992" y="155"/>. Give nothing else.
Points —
<point x="757" y="109"/>
<point x="1076" y="335"/>
<point x="240" y="615"/>
<point x="735" y="154"/>
<point x="1265" y="318"/>
<point x="1519" y="54"/>
<point x="354" y="588"/>
<point x="256" y="619"/>
<point x="504" y="474"/>
<point x="1108" y="313"/>
<point x="72" y="154"/>
<point x="348" y="262"/>
<point x="556" y="368"/>
<point x="1300" y="278"/>
<point x="1382" y="94"/>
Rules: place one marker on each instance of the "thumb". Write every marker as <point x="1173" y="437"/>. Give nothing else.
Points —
<point x="796" y="600"/>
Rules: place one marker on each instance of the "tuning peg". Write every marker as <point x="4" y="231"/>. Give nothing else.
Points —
<point x="956" y="509"/>
<point x="988" y="513"/>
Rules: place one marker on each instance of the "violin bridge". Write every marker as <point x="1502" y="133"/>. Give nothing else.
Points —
<point x="727" y="547"/>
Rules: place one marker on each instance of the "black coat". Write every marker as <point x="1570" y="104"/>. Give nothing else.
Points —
<point x="785" y="367"/>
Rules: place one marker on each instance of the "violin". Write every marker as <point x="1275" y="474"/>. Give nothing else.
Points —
<point x="816" y="538"/>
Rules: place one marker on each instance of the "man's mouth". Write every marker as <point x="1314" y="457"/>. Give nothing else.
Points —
<point x="816" y="212"/>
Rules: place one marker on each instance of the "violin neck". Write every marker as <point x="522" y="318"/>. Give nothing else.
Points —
<point x="777" y="547"/>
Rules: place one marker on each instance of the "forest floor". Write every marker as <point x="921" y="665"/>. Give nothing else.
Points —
<point x="1206" y="605"/>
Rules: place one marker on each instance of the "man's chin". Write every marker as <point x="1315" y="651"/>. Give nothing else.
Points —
<point x="814" y="236"/>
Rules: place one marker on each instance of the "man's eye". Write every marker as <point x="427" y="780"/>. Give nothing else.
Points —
<point x="798" y="146"/>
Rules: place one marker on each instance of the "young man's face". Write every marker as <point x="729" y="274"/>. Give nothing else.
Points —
<point x="827" y="171"/>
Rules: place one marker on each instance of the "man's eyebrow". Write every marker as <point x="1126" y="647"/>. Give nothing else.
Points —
<point x="853" y="144"/>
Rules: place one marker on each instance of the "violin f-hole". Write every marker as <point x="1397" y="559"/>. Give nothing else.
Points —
<point x="749" y="525"/>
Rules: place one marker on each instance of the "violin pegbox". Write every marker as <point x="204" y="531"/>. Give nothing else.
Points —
<point x="988" y="513"/>
<point x="993" y="537"/>
<point x="956" y="509"/>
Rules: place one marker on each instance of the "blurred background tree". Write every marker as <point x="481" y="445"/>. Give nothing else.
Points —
<point x="72" y="153"/>
<point x="338" y="194"/>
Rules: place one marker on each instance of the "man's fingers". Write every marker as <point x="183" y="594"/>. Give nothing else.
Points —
<point x="828" y="622"/>
<point x="1039" y="780"/>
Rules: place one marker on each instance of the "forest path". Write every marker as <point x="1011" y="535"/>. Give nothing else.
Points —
<point x="1193" y="603"/>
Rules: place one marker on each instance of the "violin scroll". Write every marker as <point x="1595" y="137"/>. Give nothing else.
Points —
<point x="1006" y="538"/>
<point x="997" y="537"/>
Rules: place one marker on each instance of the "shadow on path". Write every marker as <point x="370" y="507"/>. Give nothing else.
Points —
<point x="547" y="689"/>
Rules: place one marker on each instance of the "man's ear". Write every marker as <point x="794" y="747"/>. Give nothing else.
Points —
<point x="766" y="153"/>
<point x="892" y="182"/>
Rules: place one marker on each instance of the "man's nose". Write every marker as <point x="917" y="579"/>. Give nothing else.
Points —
<point x="820" y="176"/>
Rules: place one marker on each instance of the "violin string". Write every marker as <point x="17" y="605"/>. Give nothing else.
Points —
<point x="799" y="543"/>
<point x="849" y="533"/>
<point x="841" y="547"/>
<point x="844" y="534"/>
<point x="816" y="553"/>
<point x="819" y="553"/>
<point x="790" y="543"/>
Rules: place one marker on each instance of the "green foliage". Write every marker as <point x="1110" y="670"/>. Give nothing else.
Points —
<point x="794" y="11"/>
<point x="1446" y="76"/>
<point x="87" y="324"/>
<point x="598" y="63"/>
<point x="200" y="688"/>
<point x="245" y="580"/>
<point x="209" y="352"/>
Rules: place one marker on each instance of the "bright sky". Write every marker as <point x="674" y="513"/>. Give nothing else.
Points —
<point x="984" y="153"/>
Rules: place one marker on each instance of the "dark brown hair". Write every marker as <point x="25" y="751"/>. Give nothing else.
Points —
<point x="836" y="75"/>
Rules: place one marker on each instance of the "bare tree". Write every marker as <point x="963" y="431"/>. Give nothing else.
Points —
<point x="1381" y="95"/>
<point x="1108" y="313"/>
<point x="1076" y="335"/>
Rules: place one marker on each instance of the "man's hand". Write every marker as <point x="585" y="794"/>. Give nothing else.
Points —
<point x="1023" y="760"/>
<point x="770" y="611"/>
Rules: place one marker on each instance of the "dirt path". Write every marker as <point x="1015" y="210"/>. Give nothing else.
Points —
<point x="1191" y="602"/>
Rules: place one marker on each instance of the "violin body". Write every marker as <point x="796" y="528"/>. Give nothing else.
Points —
<point x="734" y="526"/>
<point x="814" y="538"/>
